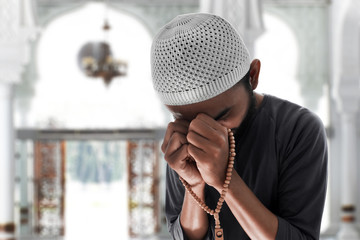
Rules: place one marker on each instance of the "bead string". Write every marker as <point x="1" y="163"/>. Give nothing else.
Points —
<point x="202" y="204"/>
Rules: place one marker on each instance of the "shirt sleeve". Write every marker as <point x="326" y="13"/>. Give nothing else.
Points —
<point x="302" y="180"/>
<point x="175" y="192"/>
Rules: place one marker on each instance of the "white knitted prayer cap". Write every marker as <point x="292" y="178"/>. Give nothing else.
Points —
<point x="196" y="57"/>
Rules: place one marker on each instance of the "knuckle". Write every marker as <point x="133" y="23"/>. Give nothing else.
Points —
<point x="163" y="147"/>
<point x="216" y="152"/>
<point x="224" y="131"/>
<point x="176" y="136"/>
<point x="219" y="140"/>
<point x="193" y="123"/>
<point x="190" y="136"/>
<point x="170" y="125"/>
<point x="200" y="115"/>
<point x="171" y="164"/>
<point x="223" y="142"/>
<point x="167" y="157"/>
<point x="191" y="150"/>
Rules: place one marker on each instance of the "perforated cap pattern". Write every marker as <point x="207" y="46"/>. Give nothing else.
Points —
<point x="196" y="57"/>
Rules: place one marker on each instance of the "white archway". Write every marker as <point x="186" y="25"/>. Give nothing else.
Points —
<point x="277" y="49"/>
<point x="63" y="93"/>
<point x="72" y="100"/>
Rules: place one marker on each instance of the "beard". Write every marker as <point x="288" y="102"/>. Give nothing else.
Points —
<point x="244" y="125"/>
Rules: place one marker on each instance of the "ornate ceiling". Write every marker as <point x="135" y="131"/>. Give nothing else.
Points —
<point x="154" y="13"/>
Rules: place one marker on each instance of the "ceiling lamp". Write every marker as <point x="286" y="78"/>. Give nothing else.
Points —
<point x="95" y="60"/>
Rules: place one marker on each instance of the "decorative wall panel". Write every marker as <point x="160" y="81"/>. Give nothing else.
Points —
<point x="143" y="177"/>
<point x="49" y="188"/>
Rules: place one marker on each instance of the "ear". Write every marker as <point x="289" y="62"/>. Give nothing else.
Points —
<point x="254" y="73"/>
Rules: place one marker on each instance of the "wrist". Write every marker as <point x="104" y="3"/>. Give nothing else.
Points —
<point x="227" y="184"/>
<point x="198" y="186"/>
<point x="195" y="182"/>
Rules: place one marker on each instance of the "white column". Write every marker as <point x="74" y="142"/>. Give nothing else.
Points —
<point x="348" y="108"/>
<point x="349" y="181"/>
<point x="15" y="31"/>
<point x="348" y="160"/>
<point x="348" y="88"/>
<point x="7" y="171"/>
<point x="11" y="62"/>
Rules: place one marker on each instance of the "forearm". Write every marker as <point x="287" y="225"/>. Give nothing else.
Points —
<point x="194" y="220"/>
<point x="256" y="220"/>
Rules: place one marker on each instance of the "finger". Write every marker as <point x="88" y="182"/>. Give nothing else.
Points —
<point x="182" y="122"/>
<point x="197" y="140"/>
<point x="211" y="122"/>
<point x="180" y="126"/>
<point x="202" y="128"/>
<point x="214" y="137"/>
<point x="177" y="160"/>
<point x="196" y="153"/>
<point x="176" y="142"/>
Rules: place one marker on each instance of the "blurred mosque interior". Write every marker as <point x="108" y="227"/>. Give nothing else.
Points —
<point x="81" y="127"/>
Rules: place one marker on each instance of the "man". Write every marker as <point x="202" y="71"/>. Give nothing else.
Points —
<point x="202" y="72"/>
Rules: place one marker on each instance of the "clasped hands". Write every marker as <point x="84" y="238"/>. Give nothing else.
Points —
<point x="205" y="142"/>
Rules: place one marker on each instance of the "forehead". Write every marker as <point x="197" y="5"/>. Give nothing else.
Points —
<point x="189" y="112"/>
<point x="212" y="107"/>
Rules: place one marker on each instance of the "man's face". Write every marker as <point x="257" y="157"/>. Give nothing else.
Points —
<point x="229" y="108"/>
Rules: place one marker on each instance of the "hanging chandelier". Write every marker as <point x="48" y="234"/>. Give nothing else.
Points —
<point x="95" y="60"/>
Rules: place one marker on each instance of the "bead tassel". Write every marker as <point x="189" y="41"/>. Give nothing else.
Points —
<point x="202" y="204"/>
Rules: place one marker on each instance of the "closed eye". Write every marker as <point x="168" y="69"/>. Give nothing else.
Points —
<point x="222" y="114"/>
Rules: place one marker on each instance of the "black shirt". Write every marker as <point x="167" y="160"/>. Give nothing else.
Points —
<point x="282" y="157"/>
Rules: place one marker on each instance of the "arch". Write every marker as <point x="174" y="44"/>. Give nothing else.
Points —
<point x="76" y="6"/>
<point x="279" y="67"/>
<point x="114" y="101"/>
<point x="310" y="27"/>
